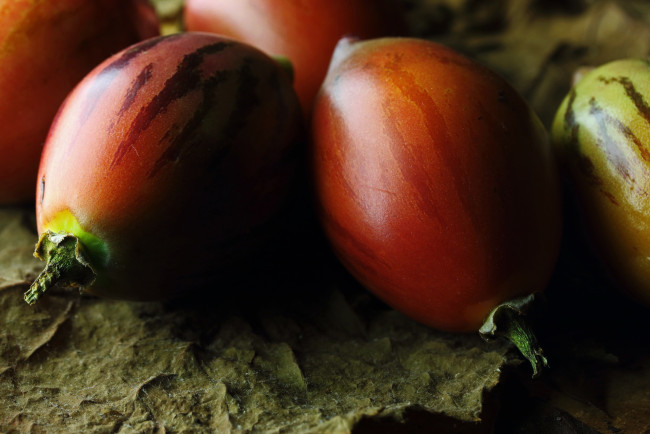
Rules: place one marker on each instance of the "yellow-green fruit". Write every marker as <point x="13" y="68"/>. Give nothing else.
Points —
<point x="602" y="135"/>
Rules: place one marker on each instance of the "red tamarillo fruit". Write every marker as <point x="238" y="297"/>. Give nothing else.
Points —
<point x="46" y="48"/>
<point x="435" y="183"/>
<point x="305" y="32"/>
<point x="162" y="166"/>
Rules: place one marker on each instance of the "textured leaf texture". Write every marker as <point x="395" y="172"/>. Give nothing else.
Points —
<point x="309" y="358"/>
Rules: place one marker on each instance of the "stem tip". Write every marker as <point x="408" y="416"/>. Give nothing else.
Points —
<point x="65" y="263"/>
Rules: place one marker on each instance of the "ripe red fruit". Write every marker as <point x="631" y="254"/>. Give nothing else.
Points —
<point x="162" y="166"/>
<point x="46" y="48"/>
<point x="434" y="180"/>
<point x="305" y="32"/>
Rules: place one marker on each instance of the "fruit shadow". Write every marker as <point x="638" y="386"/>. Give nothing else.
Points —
<point x="294" y="276"/>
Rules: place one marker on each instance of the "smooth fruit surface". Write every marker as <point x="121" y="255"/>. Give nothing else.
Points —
<point x="602" y="134"/>
<point x="167" y="159"/>
<point x="305" y="32"/>
<point x="435" y="181"/>
<point x="46" y="48"/>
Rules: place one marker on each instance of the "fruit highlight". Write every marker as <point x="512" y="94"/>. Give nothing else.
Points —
<point x="46" y="48"/>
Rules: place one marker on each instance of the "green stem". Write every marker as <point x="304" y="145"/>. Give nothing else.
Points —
<point x="66" y="264"/>
<point x="45" y="280"/>
<point x="286" y="65"/>
<point x="508" y="320"/>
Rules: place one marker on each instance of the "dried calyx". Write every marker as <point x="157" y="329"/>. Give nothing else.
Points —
<point x="509" y="320"/>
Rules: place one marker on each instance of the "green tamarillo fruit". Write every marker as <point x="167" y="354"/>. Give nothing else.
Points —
<point x="602" y="135"/>
<point x="163" y="166"/>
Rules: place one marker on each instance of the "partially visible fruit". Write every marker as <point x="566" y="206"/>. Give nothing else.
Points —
<point x="602" y="135"/>
<point x="305" y="32"/>
<point x="46" y="48"/>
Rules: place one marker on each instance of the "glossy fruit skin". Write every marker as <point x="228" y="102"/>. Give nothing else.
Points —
<point x="435" y="182"/>
<point x="602" y="135"/>
<point x="46" y="48"/>
<point x="305" y="32"/>
<point x="174" y="153"/>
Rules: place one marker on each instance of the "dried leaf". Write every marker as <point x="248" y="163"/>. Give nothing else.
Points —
<point x="299" y="362"/>
<point x="17" y="239"/>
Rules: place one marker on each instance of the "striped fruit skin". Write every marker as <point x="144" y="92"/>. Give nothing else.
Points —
<point x="306" y="32"/>
<point x="602" y="135"/>
<point x="173" y="152"/>
<point x="435" y="181"/>
<point x="46" y="48"/>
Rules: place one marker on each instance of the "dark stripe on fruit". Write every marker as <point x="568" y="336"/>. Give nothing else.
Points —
<point x="285" y="117"/>
<point x="183" y="141"/>
<point x="246" y="100"/>
<point x="185" y="80"/>
<point x="609" y="196"/>
<point x="641" y="105"/>
<point x="251" y="100"/>
<point x="570" y="120"/>
<point x="102" y="82"/>
<point x="630" y="90"/>
<point x="612" y="148"/>
<point x="137" y="84"/>
<point x="583" y="163"/>
<point x="131" y="53"/>
<point x="42" y="188"/>
<point x="587" y="168"/>
<point x="604" y="140"/>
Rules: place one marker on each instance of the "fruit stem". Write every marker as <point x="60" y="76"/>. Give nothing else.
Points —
<point x="508" y="320"/>
<point x="66" y="264"/>
<point x="286" y="66"/>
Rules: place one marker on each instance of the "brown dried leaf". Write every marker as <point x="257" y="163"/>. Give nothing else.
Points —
<point x="297" y="361"/>
<point x="17" y="239"/>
